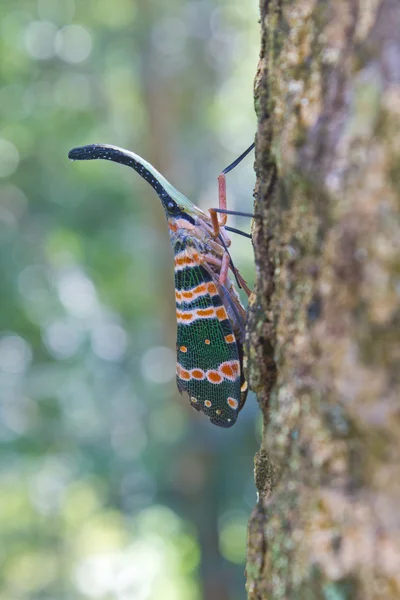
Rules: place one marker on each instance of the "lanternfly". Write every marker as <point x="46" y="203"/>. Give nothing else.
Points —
<point x="210" y="316"/>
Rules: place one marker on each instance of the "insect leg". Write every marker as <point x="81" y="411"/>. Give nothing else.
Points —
<point x="222" y="194"/>
<point x="222" y="205"/>
<point x="223" y="274"/>
<point x="211" y="260"/>
<point x="225" y="264"/>
<point x="239" y="279"/>
<point x="242" y="282"/>
<point x="222" y="197"/>
<point x="215" y="223"/>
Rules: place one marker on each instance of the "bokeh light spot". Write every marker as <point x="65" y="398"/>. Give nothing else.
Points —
<point x="109" y="341"/>
<point x="62" y="338"/>
<point x="232" y="536"/>
<point x="15" y="354"/>
<point x="73" y="44"/>
<point x="39" y="39"/>
<point x="9" y="158"/>
<point x="158" y="364"/>
<point x="77" y="293"/>
<point x="29" y="571"/>
<point x="13" y="204"/>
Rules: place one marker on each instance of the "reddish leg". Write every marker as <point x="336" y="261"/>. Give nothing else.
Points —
<point x="214" y="221"/>
<point x="211" y="260"/>
<point x="217" y="223"/>
<point x="224" y="266"/>
<point x="223" y="274"/>
<point x="222" y="197"/>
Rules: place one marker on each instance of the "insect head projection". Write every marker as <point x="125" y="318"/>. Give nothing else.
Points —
<point x="210" y="315"/>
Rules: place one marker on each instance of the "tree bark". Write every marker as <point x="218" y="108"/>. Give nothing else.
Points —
<point x="323" y="341"/>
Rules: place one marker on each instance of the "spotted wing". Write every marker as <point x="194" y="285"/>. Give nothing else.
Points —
<point x="209" y="357"/>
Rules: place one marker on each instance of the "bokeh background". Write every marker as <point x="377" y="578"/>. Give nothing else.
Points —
<point x="111" y="486"/>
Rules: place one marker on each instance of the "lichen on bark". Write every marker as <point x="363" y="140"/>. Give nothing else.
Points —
<point x="323" y="341"/>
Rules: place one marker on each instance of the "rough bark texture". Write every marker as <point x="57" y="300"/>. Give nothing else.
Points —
<point x="324" y="329"/>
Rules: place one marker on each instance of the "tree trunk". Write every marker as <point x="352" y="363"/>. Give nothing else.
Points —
<point x="323" y="347"/>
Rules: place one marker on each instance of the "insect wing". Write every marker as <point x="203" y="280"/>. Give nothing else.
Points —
<point x="208" y="361"/>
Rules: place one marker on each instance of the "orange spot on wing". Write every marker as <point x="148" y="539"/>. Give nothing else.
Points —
<point x="200" y="289"/>
<point x="184" y="258"/>
<point x="235" y="366"/>
<point x="212" y="290"/>
<point x="192" y="294"/>
<point x="214" y="377"/>
<point x="172" y="226"/>
<point x="205" y="312"/>
<point x="230" y="338"/>
<point x="227" y="370"/>
<point x="207" y="403"/>
<point x="207" y="342"/>
<point x="183" y="374"/>
<point x="230" y="369"/>
<point x="221" y="313"/>
<point x="197" y="374"/>
<point x="178" y="296"/>
<point x="183" y="349"/>
<point x="232" y="403"/>
<point x="184" y="316"/>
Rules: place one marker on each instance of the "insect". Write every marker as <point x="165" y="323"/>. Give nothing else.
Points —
<point x="210" y="315"/>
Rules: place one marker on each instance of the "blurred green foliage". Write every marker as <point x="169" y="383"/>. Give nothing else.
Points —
<point x="111" y="486"/>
